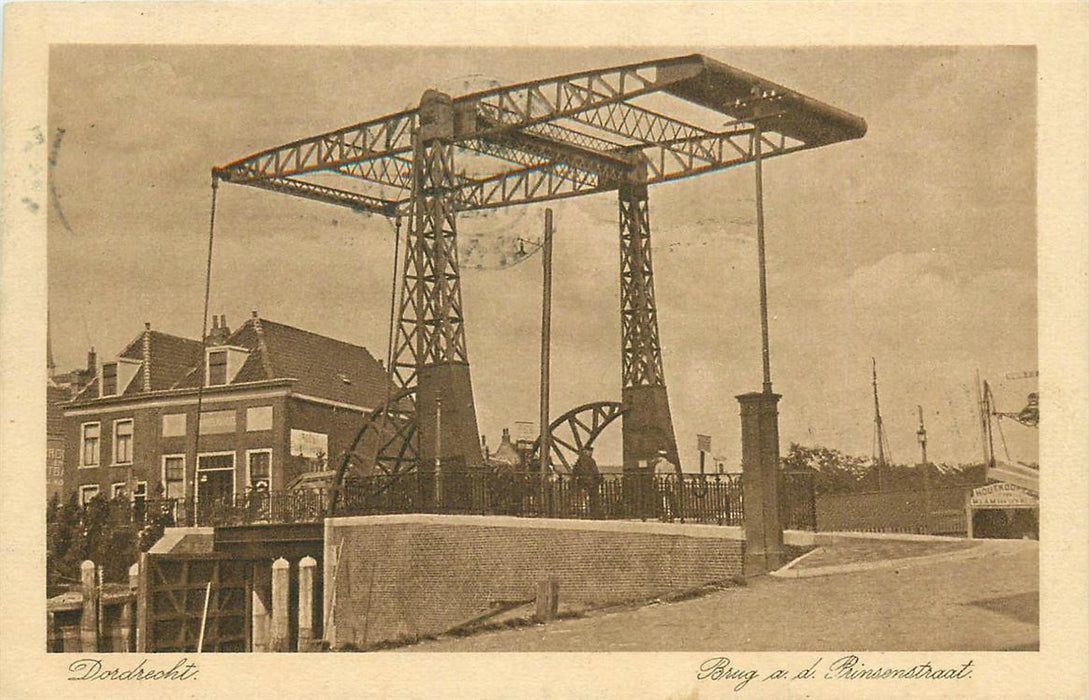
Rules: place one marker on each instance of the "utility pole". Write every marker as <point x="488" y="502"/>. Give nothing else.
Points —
<point x="921" y="434"/>
<point x="880" y="441"/>
<point x="765" y="350"/>
<point x="546" y="335"/>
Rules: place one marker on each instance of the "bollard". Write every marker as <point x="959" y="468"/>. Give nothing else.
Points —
<point x="281" y="581"/>
<point x="88" y="622"/>
<point x="128" y="612"/>
<point x="548" y="599"/>
<point x="262" y="605"/>
<point x="307" y="568"/>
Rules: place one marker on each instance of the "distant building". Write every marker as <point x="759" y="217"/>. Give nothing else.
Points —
<point x="277" y="403"/>
<point x="59" y="389"/>
<point x="506" y="456"/>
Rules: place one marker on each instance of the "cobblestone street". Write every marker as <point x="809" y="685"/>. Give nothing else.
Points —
<point x="982" y="598"/>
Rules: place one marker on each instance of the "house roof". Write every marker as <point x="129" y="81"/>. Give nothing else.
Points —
<point x="54" y="416"/>
<point x="322" y="366"/>
<point x="319" y="366"/>
<point x="171" y="358"/>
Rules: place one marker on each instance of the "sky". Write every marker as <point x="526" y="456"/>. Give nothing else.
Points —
<point x="915" y="245"/>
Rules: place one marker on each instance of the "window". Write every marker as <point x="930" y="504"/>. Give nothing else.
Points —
<point x="139" y="492"/>
<point x="122" y="441"/>
<point x="174" y="476"/>
<point x="90" y="438"/>
<point x="86" y="493"/>
<point x="217" y="368"/>
<point x="220" y="461"/>
<point x="109" y="379"/>
<point x="259" y="418"/>
<point x="117" y="490"/>
<point x="174" y="425"/>
<point x="214" y="422"/>
<point x="260" y="470"/>
<point x="309" y="450"/>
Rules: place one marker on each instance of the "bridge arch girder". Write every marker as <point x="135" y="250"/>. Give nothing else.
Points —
<point x="577" y="428"/>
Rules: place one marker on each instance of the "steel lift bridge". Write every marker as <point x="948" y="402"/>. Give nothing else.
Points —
<point x="612" y="129"/>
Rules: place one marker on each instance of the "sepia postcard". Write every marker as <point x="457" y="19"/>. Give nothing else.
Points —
<point x="568" y="350"/>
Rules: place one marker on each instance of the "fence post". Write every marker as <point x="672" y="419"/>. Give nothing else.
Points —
<point x="281" y="581"/>
<point x="307" y="568"/>
<point x="813" y="502"/>
<point x="88" y="621"/>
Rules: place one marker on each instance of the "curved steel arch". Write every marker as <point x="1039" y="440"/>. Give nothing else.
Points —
<point x="577" y="428"/>
<point x="397" y="447"/>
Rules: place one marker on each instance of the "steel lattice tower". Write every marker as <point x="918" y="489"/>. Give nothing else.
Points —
<point x="648" y="425"/>
<point x="565" y="136"/>
<point x="430" y="352"/>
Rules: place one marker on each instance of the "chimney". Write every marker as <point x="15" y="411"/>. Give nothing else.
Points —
<point x="219" y="333"/>
<point x="92" y="361"/>
<point x="147" y="356"/>
<point x="506" y="436"/>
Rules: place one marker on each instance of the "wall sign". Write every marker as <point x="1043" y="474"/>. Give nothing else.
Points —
<point x="1002" y="495"/>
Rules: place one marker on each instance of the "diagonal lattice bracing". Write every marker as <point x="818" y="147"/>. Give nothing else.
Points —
<point x="641" y="361"/>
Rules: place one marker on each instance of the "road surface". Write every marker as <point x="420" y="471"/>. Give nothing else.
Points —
<point x="986" y="598"/>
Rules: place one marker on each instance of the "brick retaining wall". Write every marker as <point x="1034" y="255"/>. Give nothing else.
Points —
<point x="408" y="575"/>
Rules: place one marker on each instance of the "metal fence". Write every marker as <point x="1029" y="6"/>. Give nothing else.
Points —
<point x="937" y="512"/>
<point x="797" y="500"/>
<point x="714" y="499"/>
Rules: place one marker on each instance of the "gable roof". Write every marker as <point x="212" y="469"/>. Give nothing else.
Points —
<point x="320" y="366"/>
<point x="171" y="358"/>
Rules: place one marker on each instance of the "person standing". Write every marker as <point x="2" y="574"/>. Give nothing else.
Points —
<point x="588" y="478"/>
<point x="670" y="480"/>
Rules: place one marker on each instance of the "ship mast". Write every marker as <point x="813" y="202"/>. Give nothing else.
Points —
<point x="881" y="451"/>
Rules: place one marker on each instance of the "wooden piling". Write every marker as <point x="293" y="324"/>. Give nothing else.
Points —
<point x="548" y="599"/>
<point x="88" y="623"/>
<point x="125" y="635"/>
<point x="261" y="606"/>
<point x="281" y="582"/>
<point x="307" y="569"/>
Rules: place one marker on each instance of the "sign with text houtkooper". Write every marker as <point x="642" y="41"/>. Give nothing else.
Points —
<point x="1002" y="495"/>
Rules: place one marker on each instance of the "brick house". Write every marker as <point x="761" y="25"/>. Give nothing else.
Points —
<point x="276" y="403"/>
<point x="59" y="390"/>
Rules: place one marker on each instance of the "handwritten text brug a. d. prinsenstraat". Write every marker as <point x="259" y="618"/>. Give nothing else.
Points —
<point x="844" y="668"/>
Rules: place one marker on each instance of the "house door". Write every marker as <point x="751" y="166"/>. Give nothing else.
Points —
<point x="215" y="480"/>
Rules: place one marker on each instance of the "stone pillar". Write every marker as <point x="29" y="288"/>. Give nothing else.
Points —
<point x="281" y="582"/>
<point x="262" y="606"/>
<point x="760" y="481"/>
<point x="88" y="621"/>
<point x="307" y="568"/>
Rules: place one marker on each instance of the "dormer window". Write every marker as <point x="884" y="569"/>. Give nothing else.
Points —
<point x="217" y="367"/>
<point x="109" y="379"/>
<point x="222" y="364"/>
<point x="116" y="376"/>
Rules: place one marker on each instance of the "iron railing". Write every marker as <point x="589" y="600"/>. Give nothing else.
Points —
<point x="714" y="499"/>
<point x="797" y="500"/>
